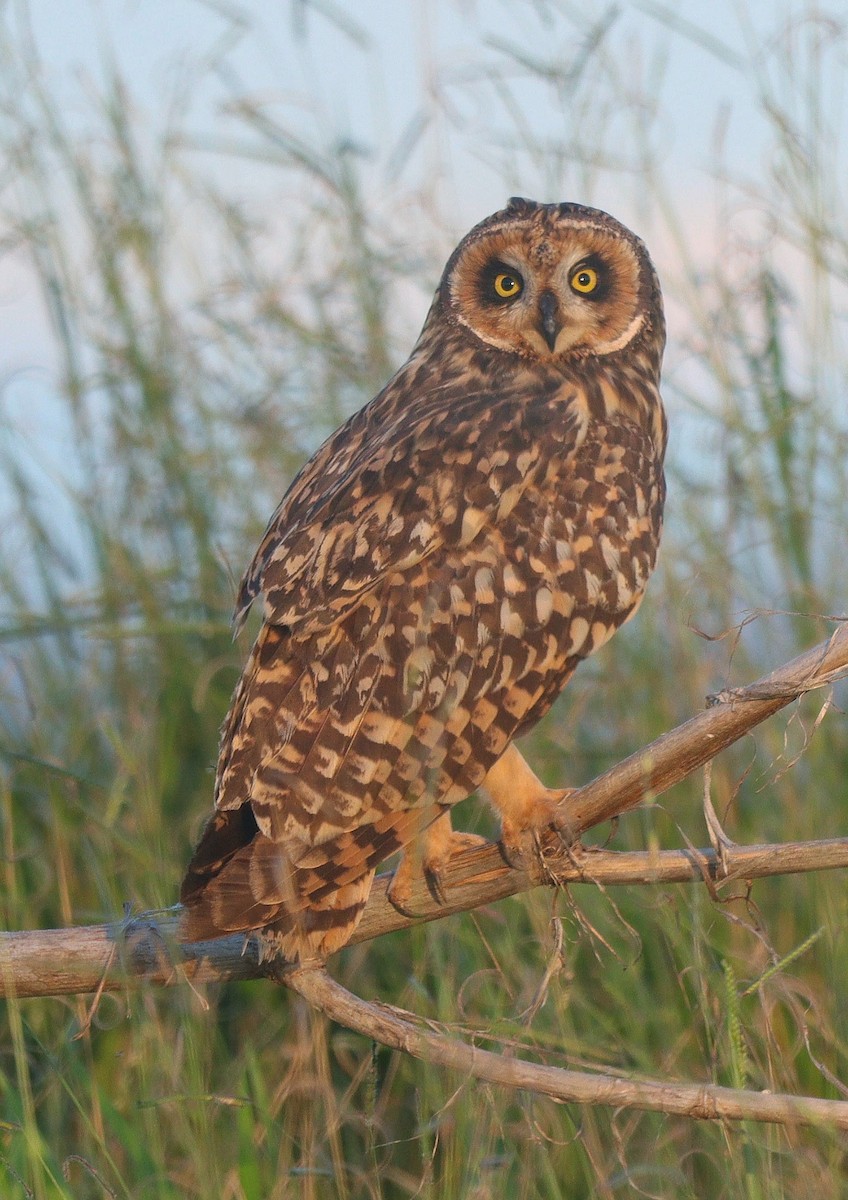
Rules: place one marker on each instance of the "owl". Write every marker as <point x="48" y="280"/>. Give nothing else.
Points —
<point x="433" y="577"/>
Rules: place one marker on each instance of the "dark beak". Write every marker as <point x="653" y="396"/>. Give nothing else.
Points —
<point x="549" y="323"/>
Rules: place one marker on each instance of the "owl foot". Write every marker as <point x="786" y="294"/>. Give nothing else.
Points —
<point x="528" y="810"/>
<point x="524" y="845"/>
<point x="429" y="855"/>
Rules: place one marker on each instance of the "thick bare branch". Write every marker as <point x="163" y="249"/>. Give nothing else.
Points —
<point x="672" y="757"/>
<point x="54" y="962"/>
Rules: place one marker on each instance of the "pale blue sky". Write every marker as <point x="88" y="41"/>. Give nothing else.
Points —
<point x="366" y="68"/>
<point x="692" y="74"/>
<point x="369" y="70"/>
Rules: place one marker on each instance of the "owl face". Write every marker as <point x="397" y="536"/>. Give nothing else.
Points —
<point x="552" y="282"/>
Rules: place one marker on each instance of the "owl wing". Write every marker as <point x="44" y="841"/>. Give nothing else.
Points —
<point x="332" y="748"/>
<point x="393" y="491"/>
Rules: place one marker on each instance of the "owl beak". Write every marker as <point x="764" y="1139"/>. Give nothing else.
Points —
<point x="550" y="323"/>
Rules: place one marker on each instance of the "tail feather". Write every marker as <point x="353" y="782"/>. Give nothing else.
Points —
<point x="303" y="906"/>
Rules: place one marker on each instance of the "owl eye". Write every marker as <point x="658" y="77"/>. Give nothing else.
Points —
<point x="584" y="280"/>
<point x="507" y="285"/>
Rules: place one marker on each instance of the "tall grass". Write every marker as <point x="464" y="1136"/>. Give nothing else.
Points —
<point x="200" y="350"/>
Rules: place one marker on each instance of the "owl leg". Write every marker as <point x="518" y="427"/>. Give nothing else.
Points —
<point x="524" y="804"/>
<point x="429" y="855"/>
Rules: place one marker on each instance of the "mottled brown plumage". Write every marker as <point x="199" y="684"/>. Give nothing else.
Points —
<point x="434" y="575"/>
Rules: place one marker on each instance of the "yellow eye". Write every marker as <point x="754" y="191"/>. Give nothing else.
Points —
<point x="584" y="280"/>
<point x="507" y="286"/>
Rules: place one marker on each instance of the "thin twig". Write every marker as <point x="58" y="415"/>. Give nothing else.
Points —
<point x="403" y="1031"/>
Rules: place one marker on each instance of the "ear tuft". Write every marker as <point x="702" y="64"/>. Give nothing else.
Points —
<point x="518" y="205"/>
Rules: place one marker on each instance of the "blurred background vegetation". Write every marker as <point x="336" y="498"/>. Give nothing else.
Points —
<point x="218" y="290"/>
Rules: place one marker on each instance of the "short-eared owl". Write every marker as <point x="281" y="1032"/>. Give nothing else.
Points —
<point x="434" y="575"/>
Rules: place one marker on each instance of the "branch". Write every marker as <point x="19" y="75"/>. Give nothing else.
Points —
<point x="403" y="1031"/>
<point x="86" y="959"/>
<point x="90" y="958"/>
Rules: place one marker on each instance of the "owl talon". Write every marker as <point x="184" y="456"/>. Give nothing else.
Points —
<point x="440" y="844"/>
<point x="399" y="891"/>
<point x="433" y="877"/>
<point x="526" y="851"/>
<point x="524" y="828"/>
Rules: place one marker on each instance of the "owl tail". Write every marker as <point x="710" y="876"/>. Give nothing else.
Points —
<point x="235" y="887"/>
<point x="301" y="906"/>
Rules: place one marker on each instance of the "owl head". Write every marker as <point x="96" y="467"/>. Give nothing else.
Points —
<point x="553" y="282"/>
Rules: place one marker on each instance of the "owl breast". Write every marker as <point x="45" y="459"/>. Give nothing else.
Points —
<point x="555" y="580"/>
<point x="583" y="545"/>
